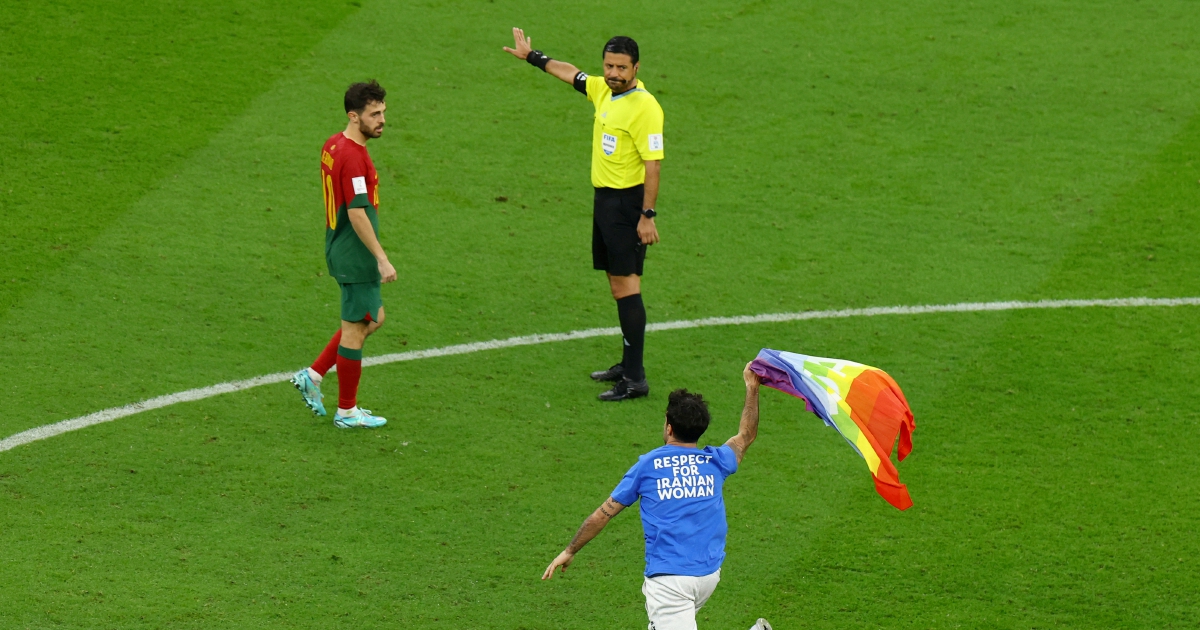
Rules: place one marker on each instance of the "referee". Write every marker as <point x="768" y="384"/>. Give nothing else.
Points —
<point x="627" y="149"/>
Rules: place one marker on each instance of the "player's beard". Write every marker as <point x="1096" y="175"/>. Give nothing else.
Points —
<point x="368" y="132"/>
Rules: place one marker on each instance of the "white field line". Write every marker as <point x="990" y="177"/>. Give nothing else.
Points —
<point x="108" y="415"/>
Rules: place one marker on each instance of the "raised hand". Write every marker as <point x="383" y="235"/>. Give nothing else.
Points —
<point x="752" y="379"/>
<point x="522" y="45"/>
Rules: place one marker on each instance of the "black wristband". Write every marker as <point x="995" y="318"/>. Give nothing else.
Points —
<point x="537" y="58"/>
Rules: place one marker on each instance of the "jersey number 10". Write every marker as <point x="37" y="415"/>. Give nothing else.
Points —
<point x="330" y="202"/>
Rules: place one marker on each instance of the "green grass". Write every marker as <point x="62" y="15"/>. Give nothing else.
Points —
<point x="162" y="232"/>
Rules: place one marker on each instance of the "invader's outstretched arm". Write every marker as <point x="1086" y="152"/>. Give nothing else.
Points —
<point x="587" y="531"/>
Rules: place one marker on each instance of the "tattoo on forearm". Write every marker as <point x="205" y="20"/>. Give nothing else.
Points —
<point x="592" y="525"/>
<point x="610" y="508"/>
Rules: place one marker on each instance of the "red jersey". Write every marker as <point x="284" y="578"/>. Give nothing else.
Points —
<point x="348" y="180"/>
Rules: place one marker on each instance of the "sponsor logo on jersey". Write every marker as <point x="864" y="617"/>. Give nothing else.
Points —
<point x="656" y="142"/>
<point x="608" y="143"/>
<point x="360" y="185"/>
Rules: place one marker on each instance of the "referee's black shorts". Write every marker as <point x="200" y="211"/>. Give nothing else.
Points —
<point x="616" y="247"/>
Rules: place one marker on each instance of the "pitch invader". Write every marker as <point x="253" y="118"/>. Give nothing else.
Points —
<point x="627" y="151"/>
<point x="353" y="255"/>
<point x="680" y="486"/>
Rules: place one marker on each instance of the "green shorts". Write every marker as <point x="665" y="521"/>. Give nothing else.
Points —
<point x="361" y="300"/>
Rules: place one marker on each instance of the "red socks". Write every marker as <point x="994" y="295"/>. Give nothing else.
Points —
<point x="349" y="366"/>
<point x="328" y="355"/>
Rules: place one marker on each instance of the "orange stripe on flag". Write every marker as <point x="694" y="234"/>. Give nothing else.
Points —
<point x="879" y="409"/>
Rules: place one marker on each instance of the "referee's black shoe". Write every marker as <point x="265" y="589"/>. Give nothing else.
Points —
<point x="626" y="389"/>
<point x="614" y="373"/>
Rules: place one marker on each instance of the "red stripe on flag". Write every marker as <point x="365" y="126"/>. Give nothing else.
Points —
<point x="879" y="409"/>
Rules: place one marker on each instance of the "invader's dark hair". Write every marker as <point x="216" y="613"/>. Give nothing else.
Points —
<point x="359" y="94"/>
<point x="622" y="45"/>
<point x="687" y="413"/>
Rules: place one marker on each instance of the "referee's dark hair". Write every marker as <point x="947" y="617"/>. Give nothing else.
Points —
<point x="359" y="94"/>
<point x="621" y="45"/>
<point x="687" y="413"/>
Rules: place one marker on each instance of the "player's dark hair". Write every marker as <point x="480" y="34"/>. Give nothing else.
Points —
<point x="622" y="45"/>
<point x="687" y="413"/>
<point x="359" y="94"/>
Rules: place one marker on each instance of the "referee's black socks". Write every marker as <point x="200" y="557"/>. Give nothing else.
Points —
<point x="633" y="328"/>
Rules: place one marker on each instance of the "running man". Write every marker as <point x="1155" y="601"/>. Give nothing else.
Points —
<point x="627" y="150"/>
<point x="683" y="510"/>
<point x="353" y="254"/>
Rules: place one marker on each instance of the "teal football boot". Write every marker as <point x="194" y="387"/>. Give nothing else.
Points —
<point x="360" y="419"/>
<point x="310" y="391"/>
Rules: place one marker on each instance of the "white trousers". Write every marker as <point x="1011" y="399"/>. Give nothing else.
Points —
<point x="672" y="600"/>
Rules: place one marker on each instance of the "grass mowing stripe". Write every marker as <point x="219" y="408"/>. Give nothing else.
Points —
<point x="105" y="100"/>
<point x="108" y="415"/>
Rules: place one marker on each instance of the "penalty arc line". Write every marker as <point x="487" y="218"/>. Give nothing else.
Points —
<point x="108" y="415"/>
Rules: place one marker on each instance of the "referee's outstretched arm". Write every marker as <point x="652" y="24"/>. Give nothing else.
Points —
<point x="561" y="69"/>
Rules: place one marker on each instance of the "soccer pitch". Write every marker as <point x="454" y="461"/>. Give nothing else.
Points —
<point x="163" y="231"/>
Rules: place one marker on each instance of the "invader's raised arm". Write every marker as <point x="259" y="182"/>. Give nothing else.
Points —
<point x="748" y="429"/>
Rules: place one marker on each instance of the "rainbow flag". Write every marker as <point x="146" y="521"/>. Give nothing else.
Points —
<point x="863" y="403"/>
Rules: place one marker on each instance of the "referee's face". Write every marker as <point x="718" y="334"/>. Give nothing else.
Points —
<point x="619" y="72"/>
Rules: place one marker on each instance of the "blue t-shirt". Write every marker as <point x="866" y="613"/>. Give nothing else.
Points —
<point x="683" y="512"/>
